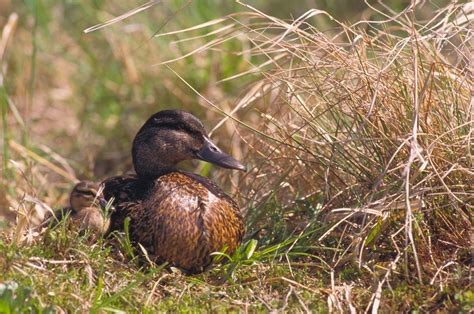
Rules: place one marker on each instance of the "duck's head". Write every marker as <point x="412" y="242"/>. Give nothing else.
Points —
<point x="86" y="194"/>
<point x="171" y="136"/>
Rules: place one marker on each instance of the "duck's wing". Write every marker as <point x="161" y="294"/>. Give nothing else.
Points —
<point x="126" y="192"/>
<point x="120" y="188"/>
<point x="211" y="186"/>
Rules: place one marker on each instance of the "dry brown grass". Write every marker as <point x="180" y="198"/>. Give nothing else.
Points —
<point x="375" y="121"/>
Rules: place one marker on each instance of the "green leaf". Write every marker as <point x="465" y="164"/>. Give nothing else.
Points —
<point x="373" y="233"/>
<point x="250" y="249"/>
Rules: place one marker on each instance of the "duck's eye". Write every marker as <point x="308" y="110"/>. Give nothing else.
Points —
<point x="158" y="121"/>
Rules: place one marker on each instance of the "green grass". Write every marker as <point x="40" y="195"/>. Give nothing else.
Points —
<point x="65" y="271"/>
<point x="359" y="147"/>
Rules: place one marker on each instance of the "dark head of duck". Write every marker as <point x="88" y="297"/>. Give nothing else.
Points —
<point x="171" y="136"/>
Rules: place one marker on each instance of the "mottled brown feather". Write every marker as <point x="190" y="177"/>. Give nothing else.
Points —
<point x="180" y="218"/>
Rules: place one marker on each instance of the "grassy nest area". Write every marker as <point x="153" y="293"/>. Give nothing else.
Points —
<point x="354" y="119"/>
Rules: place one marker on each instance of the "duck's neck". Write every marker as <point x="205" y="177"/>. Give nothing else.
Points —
<point x="151" y="169"/>
<point x="150" y="165"/>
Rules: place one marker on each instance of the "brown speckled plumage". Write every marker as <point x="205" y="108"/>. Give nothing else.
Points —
<point x="178" y="217"/>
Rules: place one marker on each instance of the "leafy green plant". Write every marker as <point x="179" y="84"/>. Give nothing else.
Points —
<point x="244" y="255"/>
<point x="123" y="238"/>
<point x="466" y="300"/>
<point x="15" y="298"/>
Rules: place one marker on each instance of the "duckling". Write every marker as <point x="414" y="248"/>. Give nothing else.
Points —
<point x="85" y="208"/>
<point x="86" y="204"/>
<point x="177" y="216"/>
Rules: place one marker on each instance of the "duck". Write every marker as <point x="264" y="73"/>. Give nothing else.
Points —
<point x="178" y="217"/>
<point x="86" y="209"/>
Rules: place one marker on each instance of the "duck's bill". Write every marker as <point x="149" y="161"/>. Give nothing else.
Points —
<point x="213" y="154"/>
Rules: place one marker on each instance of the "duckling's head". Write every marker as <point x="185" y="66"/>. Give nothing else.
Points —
<point x="171" y="136"/>
<point x="84" y="194"/>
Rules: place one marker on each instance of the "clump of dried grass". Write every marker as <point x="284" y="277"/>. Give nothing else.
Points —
<point x="378" y="119"/>
<point x="374" y="120"/>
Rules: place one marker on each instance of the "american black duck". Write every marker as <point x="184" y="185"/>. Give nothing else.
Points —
<point x="178" y="217"/>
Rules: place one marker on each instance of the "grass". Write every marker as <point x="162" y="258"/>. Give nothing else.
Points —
<point x="69" y="272"/>
<point x="358" y="135"/>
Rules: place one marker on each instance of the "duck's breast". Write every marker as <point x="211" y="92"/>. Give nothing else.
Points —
<point x="188" y="221"/>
